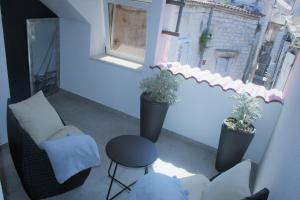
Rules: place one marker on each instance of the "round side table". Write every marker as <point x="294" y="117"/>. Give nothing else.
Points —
<point x="129" y="151"/>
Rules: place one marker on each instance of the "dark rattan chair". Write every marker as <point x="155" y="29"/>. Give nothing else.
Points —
<point x="33" y="165"/>
<point x="261" y="195"/>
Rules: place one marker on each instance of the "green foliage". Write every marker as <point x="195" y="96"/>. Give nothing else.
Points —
<point x="245" y="113"/>
<point x="162" y="87"/>
<point x="204" y="38"/>
<point x="258" y="28"/>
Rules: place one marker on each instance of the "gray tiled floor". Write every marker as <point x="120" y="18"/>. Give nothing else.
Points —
<point x="177" y="156"/>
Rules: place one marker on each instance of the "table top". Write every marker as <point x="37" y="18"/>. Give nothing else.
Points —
<point x="131" y="151"/>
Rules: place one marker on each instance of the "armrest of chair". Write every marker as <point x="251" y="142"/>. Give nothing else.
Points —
<point x="261" y="195"/>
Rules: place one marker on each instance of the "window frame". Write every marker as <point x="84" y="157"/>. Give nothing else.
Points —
<point x="229" y="62"/>
<point x="132" y="3"/>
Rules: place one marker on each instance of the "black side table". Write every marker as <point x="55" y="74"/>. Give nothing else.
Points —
<point x="129" y="151"/>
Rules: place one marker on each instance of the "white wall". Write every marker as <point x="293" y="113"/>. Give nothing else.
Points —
<point x="297" y="11"/>
<point x="198" y="116"/>
<point x="4" y="88"/>
<point x="279" y="170"/>
<point x="113" y="86"/>
<point x="64" y="9"/>
<point x="202" y="109"/>
<point x="84" y="11"/>
<point x="297" y="7"/>
<point x="92" y="11"/>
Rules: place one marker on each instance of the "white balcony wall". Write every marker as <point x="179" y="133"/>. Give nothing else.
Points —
<point x="202" y="109"/>
<point x="279" y="170"/>
<point x="198" y="115"/>
<point x="4" y="88"/>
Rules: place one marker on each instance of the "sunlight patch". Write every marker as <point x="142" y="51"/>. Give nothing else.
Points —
<point x="169" y="169"/>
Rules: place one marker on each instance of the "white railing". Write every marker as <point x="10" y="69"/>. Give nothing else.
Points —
<point x="225" y="83"/>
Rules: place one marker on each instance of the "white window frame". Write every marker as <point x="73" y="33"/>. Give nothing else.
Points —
<point x="132" y="3"/>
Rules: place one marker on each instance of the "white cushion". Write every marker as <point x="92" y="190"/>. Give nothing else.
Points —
<point x="65" y="131"/>
<point x="156" y="186"/>
<point x="195" y="185"/>
<point x="231" y="185"/>
<point x="37" y="117"/>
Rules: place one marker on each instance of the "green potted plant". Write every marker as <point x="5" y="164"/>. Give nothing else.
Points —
<point x="237" y="131"/>
<point x="159" y="92"/>
<point x="203" y="39"/>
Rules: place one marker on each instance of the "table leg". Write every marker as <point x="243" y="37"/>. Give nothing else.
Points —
<point x="112" y="180"/>
<point x="112" y="176"/>
<point x="110" y="167"/>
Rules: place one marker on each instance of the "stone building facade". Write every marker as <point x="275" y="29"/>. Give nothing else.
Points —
<point x="231" y="39"/>
<point x="276" y="51"/>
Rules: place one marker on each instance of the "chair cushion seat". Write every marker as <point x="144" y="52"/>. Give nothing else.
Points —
<point x="230" y="185"/>
<point x="195" y="185"/>
<point x="66" y="131"/>
<point x="37" y="117"/>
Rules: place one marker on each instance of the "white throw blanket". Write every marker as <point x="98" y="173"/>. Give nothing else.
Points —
<point x="70" y="155"/>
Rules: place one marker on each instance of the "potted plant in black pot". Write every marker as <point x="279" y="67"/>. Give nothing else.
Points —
<point x="237" y="131"/>
<point x="159" y="92"/>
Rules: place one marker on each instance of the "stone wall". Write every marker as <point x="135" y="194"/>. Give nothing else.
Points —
<point x="233" y="36"/>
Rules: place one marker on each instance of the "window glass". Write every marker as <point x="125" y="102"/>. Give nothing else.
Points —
<point x="127" y="31"/>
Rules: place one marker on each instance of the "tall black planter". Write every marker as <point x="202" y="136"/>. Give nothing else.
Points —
<point x="152" y="116"/>
<point x="232" y="147"/>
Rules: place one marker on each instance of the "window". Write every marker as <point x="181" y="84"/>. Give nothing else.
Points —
<point x="184" y="51"/>
<point x="222" y="65"/>
<point x="126" y="31"/>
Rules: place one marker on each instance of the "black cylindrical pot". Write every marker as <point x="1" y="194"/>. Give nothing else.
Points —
<point x="232" y="147"/>
<point x="152" y="116"/>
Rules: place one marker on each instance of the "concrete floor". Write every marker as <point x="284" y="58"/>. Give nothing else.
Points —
<point x="177" y="156"/>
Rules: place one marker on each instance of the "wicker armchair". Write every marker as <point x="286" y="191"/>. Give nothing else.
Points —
<point x="33" y="165"/>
